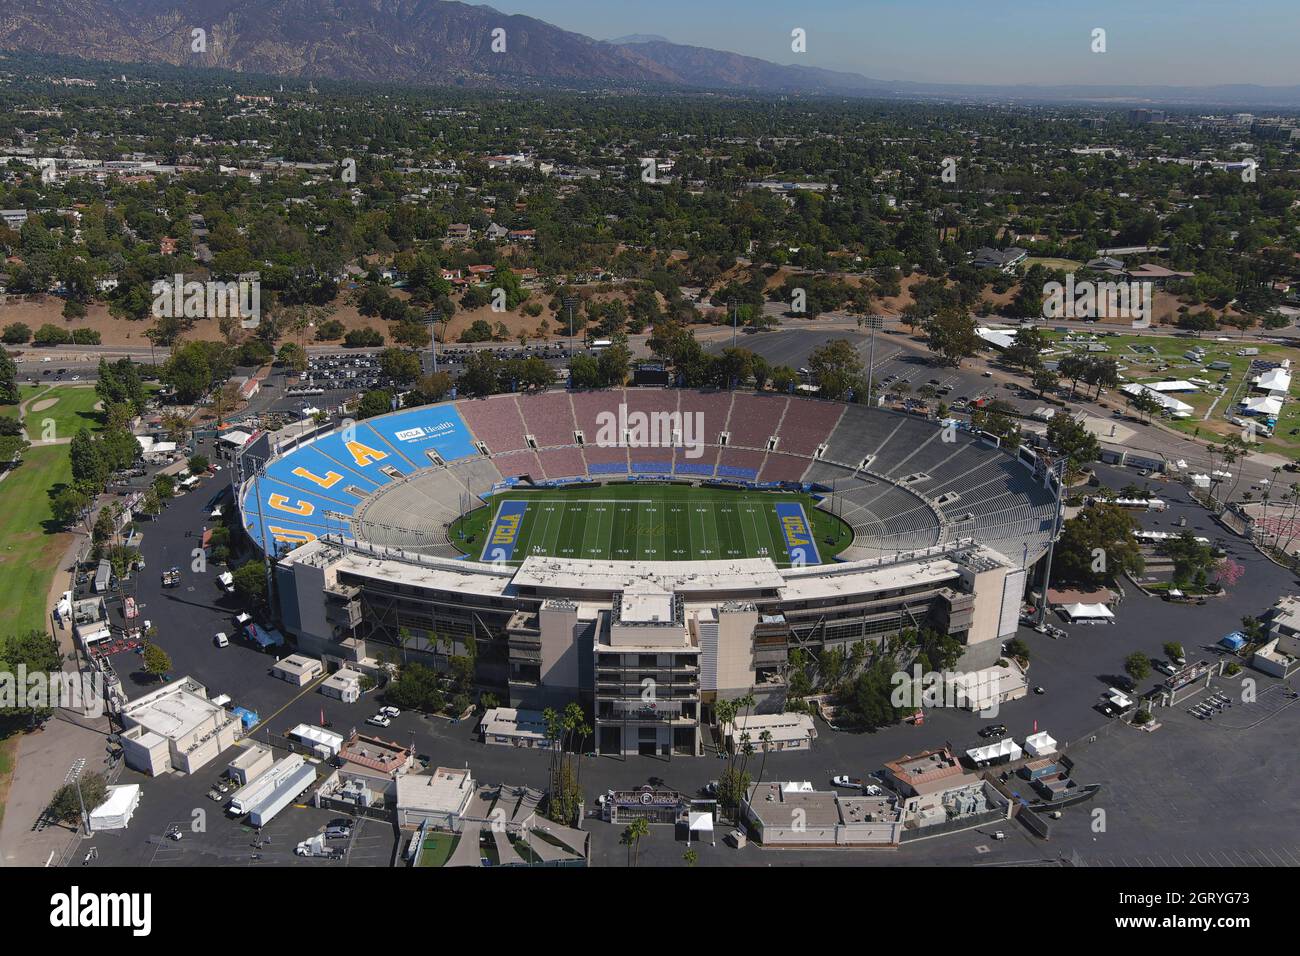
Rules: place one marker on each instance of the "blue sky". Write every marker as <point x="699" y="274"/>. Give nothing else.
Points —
<point x="1176" y="42"/>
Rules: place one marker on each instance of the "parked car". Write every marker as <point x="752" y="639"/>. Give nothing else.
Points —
<point x="221" y="640"/>
<point x="994" y="730"/>
<point x="390" y="711"/>
<point x="379" y="720"/>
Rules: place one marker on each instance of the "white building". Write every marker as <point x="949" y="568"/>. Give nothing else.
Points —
<point x="176" y="727"/>
<point x="440" y="797"/>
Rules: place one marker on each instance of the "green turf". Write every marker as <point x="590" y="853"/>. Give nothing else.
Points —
<point x="647" y="522"/>
<point x="437" y="848"/>
<point x="74" y="409"/>
<point x="29" y="553"/>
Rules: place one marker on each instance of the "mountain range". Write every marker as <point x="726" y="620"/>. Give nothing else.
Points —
<point x="435" y="42"/>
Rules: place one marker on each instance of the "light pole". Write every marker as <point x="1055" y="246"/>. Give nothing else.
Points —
<point x="1058" y="467"/>
<point x="873" y="322"/>
<point x="430" y="319"/>
<point x="569" y="303"/>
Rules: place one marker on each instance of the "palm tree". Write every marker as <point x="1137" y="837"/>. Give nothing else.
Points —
<point x="404" y="637"/>
<point x="765" y="738"/>
<point x="638" y="829"/>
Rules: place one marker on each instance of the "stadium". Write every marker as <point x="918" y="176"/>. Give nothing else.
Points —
<point x="578" y="544"/>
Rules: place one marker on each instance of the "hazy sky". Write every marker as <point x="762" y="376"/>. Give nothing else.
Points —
<point x="1177" y="42"/>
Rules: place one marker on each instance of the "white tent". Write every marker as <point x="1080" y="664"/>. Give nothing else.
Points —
<point x="1006" y="749"/>
<point x="116" y="812"/>
<point x="699" y="822"/>
<point x="1086" y="612"/>
<point x="1171" y="405"/>
<point x="1274" y="380"/>
<point x="1040" y="744"/>
<point x="1263" y="405"/>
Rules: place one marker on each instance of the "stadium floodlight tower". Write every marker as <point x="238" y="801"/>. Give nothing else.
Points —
<point x="569" y="303"/>
<point x="1057" y="469"/>
<point x="432" y="317"/>
<point x="873" y="322"/>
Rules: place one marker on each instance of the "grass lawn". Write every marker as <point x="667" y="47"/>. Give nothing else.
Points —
<point x="29" y="552"/>
<point x="73" y="409"/>
<point x="1162" y="357"/>
<point x="437" y="848"/>
<point x="647" y="522"/>
<point x="1068" y="265"/>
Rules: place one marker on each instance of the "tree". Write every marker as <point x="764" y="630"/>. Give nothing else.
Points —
<point x="1098" y="543"/>
<point x="1044" y="379"/>
<point x="1073" y="441"/>
<point x="836" y="368"/>
<point x="1192" y="559"/>
<point x="8" y="379"/>
<point x="375" y="402"/>
<point x="89" y="792"/>
<point x="631" y="838"/>
<point x="951" y="336"/>
<point x="1137" y="665"/>
<point x="1024" y="350"/>
<point x="292" y="356"/>
<point x="250" y="583"/>
<point x="39" y="654"/>
<point x="1173" y="650"/>
<point x="156" y="661"/>
<point x="481" y="375"/>
<point x="399" y="366"/>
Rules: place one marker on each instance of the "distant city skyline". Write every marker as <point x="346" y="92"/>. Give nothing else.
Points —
<point x="1037" y="42"/>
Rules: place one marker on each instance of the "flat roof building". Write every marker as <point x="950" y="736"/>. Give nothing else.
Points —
<point x="440" y="798"/>
<point x="176" y="727"/>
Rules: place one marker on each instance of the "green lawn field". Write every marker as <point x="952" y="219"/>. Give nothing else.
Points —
<point x="647" y="522"/>
<point x="73" y="409"/>
<point x="29" y="552"/>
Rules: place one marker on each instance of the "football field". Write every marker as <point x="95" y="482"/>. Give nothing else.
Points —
<point x="633" y="522"/>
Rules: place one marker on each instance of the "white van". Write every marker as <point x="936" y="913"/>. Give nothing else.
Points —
<point x="226" y="580"/>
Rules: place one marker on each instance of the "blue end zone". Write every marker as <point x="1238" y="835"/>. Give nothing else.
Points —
<point x="796" y="532"/>
<point x="504" y="534"/>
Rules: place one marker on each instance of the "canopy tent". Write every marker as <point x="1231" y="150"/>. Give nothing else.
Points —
<point x="699" y="822"/>
<point x="1262" y="405"/>
<point x="1040" y="744"/>
<point x="1234" y="641"/>
<point x="1087" y="612"/>
<point x="1172" y="405"/>
<point x="1001" y="752"/>
<point x="1274" y="380"/>
<point x="116" y="812"/>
